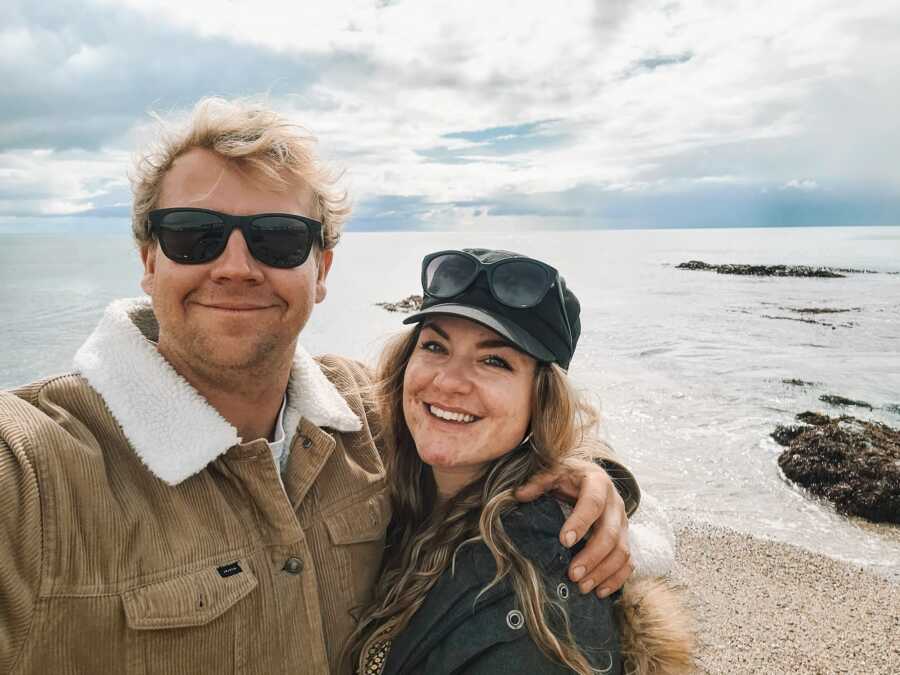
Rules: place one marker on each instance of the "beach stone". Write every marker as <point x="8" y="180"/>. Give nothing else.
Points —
<point x="409" y="304"/>
<point x="853" y="463"/>
<point x="773" y="270"/>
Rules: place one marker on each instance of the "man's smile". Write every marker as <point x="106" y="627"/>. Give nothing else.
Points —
<point x="235" y="307"/>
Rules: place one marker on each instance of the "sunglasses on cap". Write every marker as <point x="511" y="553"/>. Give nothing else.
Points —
<point x="195" y="236"/>
<point x="516" y="282"/>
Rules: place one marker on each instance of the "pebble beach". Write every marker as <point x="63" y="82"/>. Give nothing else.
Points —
<point x="766" y="607"/>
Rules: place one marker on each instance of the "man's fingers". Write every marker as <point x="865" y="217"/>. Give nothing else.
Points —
<point x="570" y="475"/>
<point x="536" y="486"/>
<point x="589" y="508"/>
<point x="595" y="551"/>
<point x="613" y="566"/>
<point x="616" y="581"/>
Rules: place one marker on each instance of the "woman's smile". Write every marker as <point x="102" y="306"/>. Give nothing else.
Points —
<point x="446" y="414"/>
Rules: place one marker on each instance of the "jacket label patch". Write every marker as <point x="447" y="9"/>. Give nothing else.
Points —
<point x="229" y="570"/>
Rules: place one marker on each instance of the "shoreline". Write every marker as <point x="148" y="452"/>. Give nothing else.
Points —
<point x="763" y="606"/>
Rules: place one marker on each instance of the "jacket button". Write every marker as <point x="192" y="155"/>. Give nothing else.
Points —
<point x="562" y="592"/>
<point x="515" y="620"/>
<point x="293" y="566"/>
<point x="307" y="442"/>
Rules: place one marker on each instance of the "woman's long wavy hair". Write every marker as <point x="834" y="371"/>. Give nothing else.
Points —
<point x="426" y="534"/>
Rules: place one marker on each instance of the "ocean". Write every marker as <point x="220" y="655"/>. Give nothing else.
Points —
<point x="686" y="366"/>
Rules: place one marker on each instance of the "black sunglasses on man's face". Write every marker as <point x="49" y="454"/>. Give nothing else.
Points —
<point x="195" y="236"/>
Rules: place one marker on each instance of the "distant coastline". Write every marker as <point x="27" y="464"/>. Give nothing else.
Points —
<point x="119" y="224"/>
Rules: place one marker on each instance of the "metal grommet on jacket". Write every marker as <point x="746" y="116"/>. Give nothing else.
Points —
<point x="562" y="591"/>
<point x="515" y="619"/>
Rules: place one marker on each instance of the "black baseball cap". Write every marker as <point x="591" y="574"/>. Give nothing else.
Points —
<point x="548" y="331"/>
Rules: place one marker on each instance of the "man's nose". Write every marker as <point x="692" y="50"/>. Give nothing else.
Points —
<point x="236" y="262"/>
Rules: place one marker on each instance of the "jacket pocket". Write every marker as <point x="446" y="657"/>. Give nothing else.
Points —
<point x="357" y="533"/>
<point x="365" y="520"/>
<point x="189" y="623"/>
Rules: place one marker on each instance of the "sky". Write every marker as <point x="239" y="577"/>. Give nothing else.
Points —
<point x="476" y="115"/>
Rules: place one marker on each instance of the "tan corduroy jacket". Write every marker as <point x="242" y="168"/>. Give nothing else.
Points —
<point x="139" y="535"/>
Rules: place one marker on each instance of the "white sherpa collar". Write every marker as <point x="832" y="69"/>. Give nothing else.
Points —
<point x="172" y="428"/>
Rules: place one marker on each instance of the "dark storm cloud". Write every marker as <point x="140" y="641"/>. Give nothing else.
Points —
<point x="75" y="75"/>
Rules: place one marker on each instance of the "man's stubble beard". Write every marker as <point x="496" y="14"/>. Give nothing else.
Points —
<point x="236" y="372"/>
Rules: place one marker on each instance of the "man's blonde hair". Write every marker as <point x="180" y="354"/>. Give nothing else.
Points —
<point x="256" y="138"/>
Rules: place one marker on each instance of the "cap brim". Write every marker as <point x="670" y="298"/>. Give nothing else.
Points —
<point x="511" y="331"/>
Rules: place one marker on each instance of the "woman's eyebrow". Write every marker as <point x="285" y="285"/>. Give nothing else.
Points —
<point x="437" y="329"/>
<point x="492" y="343"/>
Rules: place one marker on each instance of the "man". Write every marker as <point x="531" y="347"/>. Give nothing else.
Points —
<point x="201" y="496"/>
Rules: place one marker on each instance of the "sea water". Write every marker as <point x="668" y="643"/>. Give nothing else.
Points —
<point x="686" y="366"/>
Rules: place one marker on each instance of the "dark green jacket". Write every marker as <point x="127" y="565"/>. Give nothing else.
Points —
<point x="452" y="633"/>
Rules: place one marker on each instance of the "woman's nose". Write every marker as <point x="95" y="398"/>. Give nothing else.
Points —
<point x="453" y="377"/>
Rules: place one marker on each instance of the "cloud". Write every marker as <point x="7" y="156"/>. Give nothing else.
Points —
<point x="802" y="184"/>
<point x="392" y="212"/>
<point x="444" y="155"/>
<point x="514" y="118"/>
<point x="501" y="141"/>
<point x="79" y="75"/>
<point x="49" y="182"/>
<point x="494" y="134"/>
<point x="686" y="205"/>
<point x="654" y="62"/>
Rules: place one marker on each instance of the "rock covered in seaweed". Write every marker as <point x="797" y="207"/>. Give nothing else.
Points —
<point x="773" y="270"/>
<point x="841" y="401"/>
<point x="409" y="304"/>
<point x="853" y="463"/>
<point x="796" y="382"/>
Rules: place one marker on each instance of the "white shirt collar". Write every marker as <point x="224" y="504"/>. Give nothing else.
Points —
<point x="276" y="445"/>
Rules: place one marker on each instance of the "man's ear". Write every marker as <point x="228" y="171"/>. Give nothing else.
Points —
<point x="148" y="257"/>
<point x="322" y="273"/>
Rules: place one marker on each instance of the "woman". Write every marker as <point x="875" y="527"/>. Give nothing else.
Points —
<point x="476" y="401"/>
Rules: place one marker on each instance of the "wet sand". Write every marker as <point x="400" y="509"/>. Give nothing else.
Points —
<point x="764" y="607"/>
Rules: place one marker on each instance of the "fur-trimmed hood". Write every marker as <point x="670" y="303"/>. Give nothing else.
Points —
<point x="171" y="427"/>
<point x="656" y="628"/>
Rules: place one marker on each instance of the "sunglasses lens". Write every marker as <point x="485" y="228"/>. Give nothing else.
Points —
<point x="280" y="241"/>
<point x="191" y="236"/>
<point x="520" y="283"/>
<point x="449" y="274"/>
